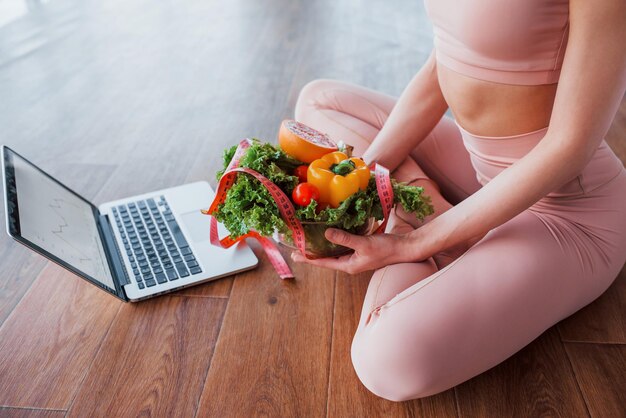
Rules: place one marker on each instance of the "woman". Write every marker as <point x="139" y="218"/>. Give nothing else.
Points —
<point x="530" y="222"/>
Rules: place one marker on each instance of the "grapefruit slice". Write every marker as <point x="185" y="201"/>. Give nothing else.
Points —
<point x="303" y="142"/>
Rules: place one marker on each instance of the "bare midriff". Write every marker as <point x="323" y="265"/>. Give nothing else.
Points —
<point x="486" y="108"/>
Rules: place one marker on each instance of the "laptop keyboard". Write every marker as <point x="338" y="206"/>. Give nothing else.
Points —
<point x="155" y="245"/>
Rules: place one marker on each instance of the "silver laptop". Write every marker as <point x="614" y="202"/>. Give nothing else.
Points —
<point x="133" y="248"/>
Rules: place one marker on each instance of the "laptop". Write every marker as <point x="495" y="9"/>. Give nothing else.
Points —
<point x="133" y="248"/>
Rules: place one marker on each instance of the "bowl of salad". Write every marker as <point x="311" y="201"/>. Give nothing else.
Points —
<point x="327" y="186"/>
<point x="316" y="245"/>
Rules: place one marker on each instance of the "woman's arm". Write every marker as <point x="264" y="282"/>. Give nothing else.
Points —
<point x="591" y="86"/>
<point x="418" y="109"/>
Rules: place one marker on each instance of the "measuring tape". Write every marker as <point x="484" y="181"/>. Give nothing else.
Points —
<point x="285" y="207"/>
<point x="385" y="193"/>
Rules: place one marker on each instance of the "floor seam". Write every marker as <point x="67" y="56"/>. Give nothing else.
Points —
<point x="580" y="390"/>
<point x="32" y="408"/>
<point x="217" y="341"/>
<point x="332" y="339"/>
<point x="17" y="304"/>
<point x="80" y="386"/>
<point x="593" y="342"/>
<point x="457" y="403"/>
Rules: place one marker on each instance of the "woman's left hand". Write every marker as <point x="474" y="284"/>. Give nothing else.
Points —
<point x="370" y="252"/>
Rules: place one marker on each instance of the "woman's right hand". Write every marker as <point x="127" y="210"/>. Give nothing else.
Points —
<point x="370" y="252"/>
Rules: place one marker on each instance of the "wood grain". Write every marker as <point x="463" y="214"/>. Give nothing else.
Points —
<point x="602" y="321"/>
<point x="19" y="269"/>
<point x="31" y="413"/>
<point x="273" y="351"/>
<point x="537" y="381"/>
<point x="153" y="361"/>
<point x="51" y="339"/>
<point x="119" y="98"/>
<point x="599" y="369"/>
<point x="349" y="398"/>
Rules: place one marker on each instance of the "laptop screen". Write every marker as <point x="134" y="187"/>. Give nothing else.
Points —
<point x="45" y="213"/>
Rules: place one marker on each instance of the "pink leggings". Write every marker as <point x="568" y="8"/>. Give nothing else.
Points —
<point x="424" y="330"/>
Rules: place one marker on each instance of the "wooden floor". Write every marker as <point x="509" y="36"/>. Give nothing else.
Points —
<point x="124" y="96"/>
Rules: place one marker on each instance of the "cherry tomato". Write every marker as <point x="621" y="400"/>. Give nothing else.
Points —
<point x="304" y="193"/>
<point x="300" y="171"/>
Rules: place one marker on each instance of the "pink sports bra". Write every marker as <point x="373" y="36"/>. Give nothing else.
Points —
<point x="504" y="41"/>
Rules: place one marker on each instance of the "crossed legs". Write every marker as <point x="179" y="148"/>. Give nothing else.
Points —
<point x="425" y="328"/>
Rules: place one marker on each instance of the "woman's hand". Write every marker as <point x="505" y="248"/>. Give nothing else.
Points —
<point x="370" y="252"/>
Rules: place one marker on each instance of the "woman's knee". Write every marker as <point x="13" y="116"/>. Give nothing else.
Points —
<point x="312" y="96"/>
<point x="394" y="367"/>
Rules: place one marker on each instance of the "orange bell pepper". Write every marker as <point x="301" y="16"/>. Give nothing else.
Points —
<point x="338" y="177"/>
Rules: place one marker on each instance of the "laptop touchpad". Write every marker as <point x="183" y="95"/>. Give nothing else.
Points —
<point x="197" y="225"/>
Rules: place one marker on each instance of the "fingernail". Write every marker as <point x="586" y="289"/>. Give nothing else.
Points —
<point x="330" y="233"/>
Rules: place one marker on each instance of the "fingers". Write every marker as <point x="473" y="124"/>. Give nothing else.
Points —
<point x="341" y="263"/>
<point x="337" y="236"/>
<point x="370" y="252"/>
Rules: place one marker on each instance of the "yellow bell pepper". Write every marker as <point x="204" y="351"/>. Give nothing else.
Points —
<point x="338" y="177"/>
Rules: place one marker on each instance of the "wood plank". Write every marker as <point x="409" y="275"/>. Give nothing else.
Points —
<point x="165" y="123"/>
<point x="154" y="360"/>
<point x="51" y="339"/>
<point x="31" y="413"/>
<point x="601" y="373"/>
<point x="537" y="381"/>
<point x="349" y="397"/>
<point x="20" y="267"/>
<point x="273" y="351"/>
<point x="603" y="320"/>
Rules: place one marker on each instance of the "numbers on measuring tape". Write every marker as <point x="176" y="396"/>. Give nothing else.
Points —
<point x="385" y="193"/>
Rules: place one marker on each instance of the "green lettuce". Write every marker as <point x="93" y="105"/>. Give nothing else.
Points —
<point x="249" y="206"/>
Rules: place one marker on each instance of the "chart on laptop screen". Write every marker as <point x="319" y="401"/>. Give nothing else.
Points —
<point x="59" y="222"/>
